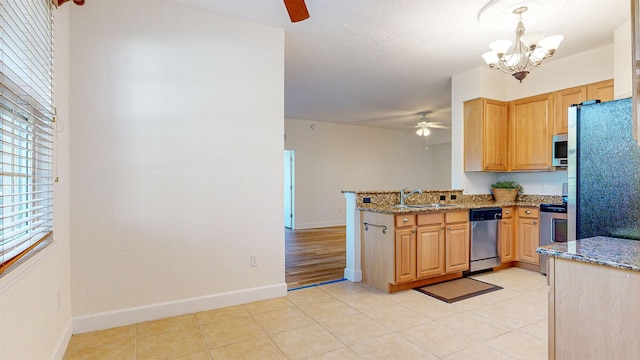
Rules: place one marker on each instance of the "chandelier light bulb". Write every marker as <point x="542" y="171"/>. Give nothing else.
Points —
<point x="532" y="40"/>
<point x="500" y="46"/>
<point x="423" y="132"/>
<point x="551" y="42"/>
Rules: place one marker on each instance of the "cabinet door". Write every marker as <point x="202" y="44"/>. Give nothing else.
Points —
<point x="602" y="90"/>
<point x="495" y="136"/>
<point x="430" y="250"/>
<point x="507" y="250"/>
<point x="457" y="247"/>
<point x="528" y="240"/>
<point x="530" y="129"/>
<point x="563" y="100"/>
<point x="486" y="135"/>
<point x="405" y="255"/>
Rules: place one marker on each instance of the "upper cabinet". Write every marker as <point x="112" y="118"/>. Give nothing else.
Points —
<point x="602" y="90"/>
<point x="530" y="120"/>
<point x="516" y="135"/>
<point x="486" y="134"/>
<point x="564" y="99"/>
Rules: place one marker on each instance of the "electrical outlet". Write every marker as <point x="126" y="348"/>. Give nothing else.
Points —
<point x="453" y="197"/>
<point x="443" y="197"/>
<point x="253" y="261"/>
<point x="366" y="200"/>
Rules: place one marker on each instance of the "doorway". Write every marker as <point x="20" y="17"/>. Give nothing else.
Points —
<point x="289" y="169"/>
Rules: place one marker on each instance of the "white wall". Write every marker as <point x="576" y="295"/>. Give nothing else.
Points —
<point x="35" y="321"/>
<point x="330" y="158"/>
<point x="177" y="165"/>
<point x="623" y="61"/>
<point x="590" y="66"/>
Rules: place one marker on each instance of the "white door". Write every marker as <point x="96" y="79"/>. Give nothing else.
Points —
<point x="288" y="189"/>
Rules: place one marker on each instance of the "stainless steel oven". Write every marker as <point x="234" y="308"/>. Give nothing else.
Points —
<point x="553" y="228"/>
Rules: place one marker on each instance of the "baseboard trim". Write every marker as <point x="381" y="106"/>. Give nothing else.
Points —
<point x="111" y="319"/>
<point x="353" y="275"/>
<point x="319" y="225"/>
<point x="63" y="342"/>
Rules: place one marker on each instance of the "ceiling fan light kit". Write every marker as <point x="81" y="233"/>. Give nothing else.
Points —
<point x="526" y="53"/>
<point x="423" y="125"/>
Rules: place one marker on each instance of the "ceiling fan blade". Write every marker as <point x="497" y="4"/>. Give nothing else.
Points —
<point x="297" y="10"/>
<point x="437" y="126"/>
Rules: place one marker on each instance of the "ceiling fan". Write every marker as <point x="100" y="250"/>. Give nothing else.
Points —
<point x="297" y="10"/>
<point x="423" y="125"/>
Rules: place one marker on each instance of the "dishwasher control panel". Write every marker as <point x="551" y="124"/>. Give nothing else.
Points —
<point x="485" y="214"/>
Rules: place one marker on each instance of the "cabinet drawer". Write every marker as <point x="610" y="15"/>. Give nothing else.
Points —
<point x="456" y="216"/>
<point x="507" y="213"/>
<point x="405" y="220"/>
<point x="529" y="212"/>
<point x="430" y="218"/>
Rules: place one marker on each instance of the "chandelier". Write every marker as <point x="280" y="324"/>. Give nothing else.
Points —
<point x="527" y="52"/>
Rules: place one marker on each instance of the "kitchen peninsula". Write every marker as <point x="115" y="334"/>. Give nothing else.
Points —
<point x="427" y="240"/>
<point x="594" y="298"/>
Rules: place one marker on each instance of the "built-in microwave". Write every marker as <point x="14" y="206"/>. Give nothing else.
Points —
<point x="559" y="150"/>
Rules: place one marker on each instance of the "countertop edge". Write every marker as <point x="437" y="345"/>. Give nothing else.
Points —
<point x="601" y="250"/>
<point x="466" y="206"/>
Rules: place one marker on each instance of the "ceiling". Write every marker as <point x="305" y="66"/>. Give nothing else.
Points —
<point x="379" y="62"/>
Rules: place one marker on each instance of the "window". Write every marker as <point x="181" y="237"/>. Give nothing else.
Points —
<point x="26" y="135"/>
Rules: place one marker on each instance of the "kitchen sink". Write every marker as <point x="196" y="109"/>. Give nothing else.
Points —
<point x="423" y="206"/>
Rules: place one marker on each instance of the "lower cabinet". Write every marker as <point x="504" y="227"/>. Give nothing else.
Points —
<point x="457" y="242"/>
<point x="506" y="235"/>
<point x="437" y="244"/>
<point x="430" y="257"/>
<point x="405" y="255"/>
<point x="528" y="235"/>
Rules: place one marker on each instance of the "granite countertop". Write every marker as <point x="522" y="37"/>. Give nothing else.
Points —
<point x="383" y="201"/>
<point x="390" y="209"/>
<point x="601" y="250"/>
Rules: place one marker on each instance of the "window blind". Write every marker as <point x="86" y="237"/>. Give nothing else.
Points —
<point x="26" y="134"/>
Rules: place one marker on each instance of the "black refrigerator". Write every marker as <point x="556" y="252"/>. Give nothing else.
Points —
<point x="603" y="171"/>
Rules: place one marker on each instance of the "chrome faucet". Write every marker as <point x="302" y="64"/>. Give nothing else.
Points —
<point x="404" y="196"/>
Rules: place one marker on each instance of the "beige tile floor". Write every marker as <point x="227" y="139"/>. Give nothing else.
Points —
<point x="345" y="321"/>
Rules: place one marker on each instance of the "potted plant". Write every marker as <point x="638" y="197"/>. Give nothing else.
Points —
<point x="506" y="190"/>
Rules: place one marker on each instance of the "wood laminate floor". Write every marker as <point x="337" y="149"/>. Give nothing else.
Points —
<point x="314" y="256"/>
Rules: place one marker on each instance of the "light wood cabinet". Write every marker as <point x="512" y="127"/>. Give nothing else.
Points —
<point x="528" y="235"/>
<point x="516" y="135"/>
<point x="564" y="99"/>
<point x="438" y="244"/>
<point x="507" y="231"/>
<point x="457" y="242"/>
<point x="430" y="253"/>
<point x="429" y="246"/>
<point x="602" y="90"/>
<point x="530" y="120"/>
<point x="593" y="311"/>
<point x="405" y="248"/>
<point x="405" y="254"/>
<point x="486" y="134"/>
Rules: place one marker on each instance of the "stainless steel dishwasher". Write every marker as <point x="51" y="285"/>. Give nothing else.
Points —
<point x="484" y="238"/>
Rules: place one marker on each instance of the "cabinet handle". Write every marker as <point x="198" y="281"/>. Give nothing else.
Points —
<point x="449" y="228"/>
<point x="527" y="212"/>
<point x="507" y="212"/>
<point x="413" y="231"/>
<point x="534" y="222"/>
<point x="442" y="228"/>
<point x="405" y="220"/>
